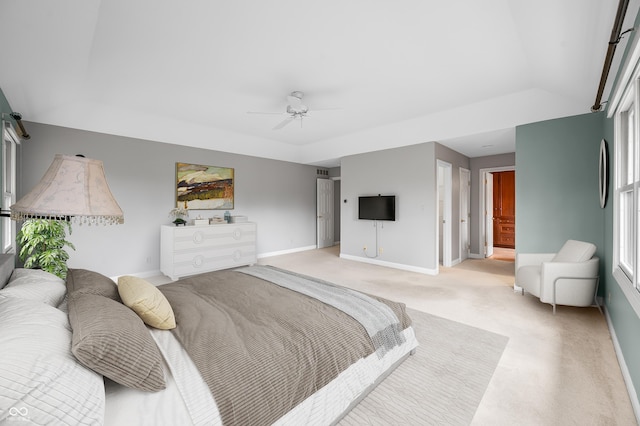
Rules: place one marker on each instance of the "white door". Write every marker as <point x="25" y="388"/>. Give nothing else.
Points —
<point x="465" y="213"/>
<point x="444" y="212"/>
<point x="324" y="212"/>
<point x="488" y="214"/>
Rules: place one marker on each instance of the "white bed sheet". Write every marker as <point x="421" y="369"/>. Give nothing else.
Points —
<point x="188" y="401"/>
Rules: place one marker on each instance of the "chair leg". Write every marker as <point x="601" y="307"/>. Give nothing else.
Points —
<point x="554" y="309"/>
<point x="598" y="306"/>
<point x="595" y="296"/>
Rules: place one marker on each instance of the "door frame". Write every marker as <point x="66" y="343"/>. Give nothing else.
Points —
<point x="446" y="212"/>
<point x="465" y="217"/>
<point x="482" y="237"/>
<point x="324" y="221"/>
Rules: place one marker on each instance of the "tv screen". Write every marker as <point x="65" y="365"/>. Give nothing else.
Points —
<point x="380" y="207"/>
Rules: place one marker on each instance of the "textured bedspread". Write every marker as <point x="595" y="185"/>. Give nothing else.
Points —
<point x="261" y="348"/>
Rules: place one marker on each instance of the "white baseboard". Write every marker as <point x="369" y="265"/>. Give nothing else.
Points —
<point x="288" y="251"/>
<point x="390" y="264"/>
<point x="633" y="395"/>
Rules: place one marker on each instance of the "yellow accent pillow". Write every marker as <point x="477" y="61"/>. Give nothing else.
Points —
<point x="146" y="301"/>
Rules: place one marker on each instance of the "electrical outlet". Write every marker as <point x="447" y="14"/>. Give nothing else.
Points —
<point x="364" y="248"/>
<point x="380" y="250"/>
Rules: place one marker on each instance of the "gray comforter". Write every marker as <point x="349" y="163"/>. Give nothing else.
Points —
<point x="262" y="348"/>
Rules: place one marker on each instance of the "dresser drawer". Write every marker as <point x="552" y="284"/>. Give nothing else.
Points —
<point x="213" y="236"/>
<point x="189" y="262"/>
<point x="189" y="250"/>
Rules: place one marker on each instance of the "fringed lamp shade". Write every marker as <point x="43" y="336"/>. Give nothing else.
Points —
<point x="73" y="187"/>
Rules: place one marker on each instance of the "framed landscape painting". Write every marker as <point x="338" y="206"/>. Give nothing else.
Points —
<point x="201" y="187"/>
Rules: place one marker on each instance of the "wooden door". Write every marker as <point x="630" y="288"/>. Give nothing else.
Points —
<point x="504" y="209"/>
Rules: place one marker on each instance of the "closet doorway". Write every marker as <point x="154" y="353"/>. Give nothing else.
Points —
<point x="444" y="194"/>
<point x="494" y="214"/>
<point x="504" y="209"/>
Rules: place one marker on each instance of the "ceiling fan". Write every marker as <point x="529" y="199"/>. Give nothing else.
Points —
<point x="296" y="110"/>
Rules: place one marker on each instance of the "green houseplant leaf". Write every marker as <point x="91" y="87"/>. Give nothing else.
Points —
<point x="42" y="245"/>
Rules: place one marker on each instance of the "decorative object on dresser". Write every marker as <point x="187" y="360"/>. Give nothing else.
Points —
<point x="199" y="221"/>
<point x="201" y="187"/>
<point x="179" y="214"/>
<point x="216" y="219"/>
<point x="193" y="250"/>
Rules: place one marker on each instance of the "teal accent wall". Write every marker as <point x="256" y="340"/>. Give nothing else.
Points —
<point x="557" y="198"/>
<point x="623" y="317"/>
<point x="557" y="183"/>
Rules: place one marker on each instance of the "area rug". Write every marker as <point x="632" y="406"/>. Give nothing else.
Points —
<point x="442" y="384"/>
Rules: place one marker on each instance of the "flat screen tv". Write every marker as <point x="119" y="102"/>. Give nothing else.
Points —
<point x="378" y="207"/>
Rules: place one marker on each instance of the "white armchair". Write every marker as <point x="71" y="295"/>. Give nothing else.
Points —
<point x="569" y="277"/>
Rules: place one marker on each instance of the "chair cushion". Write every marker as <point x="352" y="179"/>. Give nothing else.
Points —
<point x="528" y="277"/>
<point x="575" y="251"/>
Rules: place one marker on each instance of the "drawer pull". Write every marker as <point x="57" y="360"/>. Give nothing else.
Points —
<point x="198" y="261"/>
<point x="198" y="237"/>
<point x="237" y="255"/>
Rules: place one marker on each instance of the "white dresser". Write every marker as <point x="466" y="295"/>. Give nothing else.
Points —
<point x="189" y="250"/>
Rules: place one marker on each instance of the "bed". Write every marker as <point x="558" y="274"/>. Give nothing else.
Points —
<point x="255" y="345"/>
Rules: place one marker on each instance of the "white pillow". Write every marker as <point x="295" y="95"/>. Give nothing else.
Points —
<point x="41" y="381"/>
<point x="37" y="285"/>
<point x="146" y="301"/>
<point x="575" y="251"/>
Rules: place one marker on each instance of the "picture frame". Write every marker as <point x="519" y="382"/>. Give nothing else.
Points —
<point x="202" y="187"/>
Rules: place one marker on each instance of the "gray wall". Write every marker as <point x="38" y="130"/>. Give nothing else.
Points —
<point x="279" y="196"/>
<point x="478" y="163"/>
<point x="409" y="174"/>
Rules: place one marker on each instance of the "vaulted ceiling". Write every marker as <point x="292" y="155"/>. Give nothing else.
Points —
<point x="375" y="74"/>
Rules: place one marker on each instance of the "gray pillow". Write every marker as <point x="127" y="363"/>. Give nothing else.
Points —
<point x="112" y="340"/>
<point x="85" y="281"/>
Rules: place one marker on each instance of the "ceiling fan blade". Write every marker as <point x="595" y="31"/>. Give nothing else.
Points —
<point x="283" y="123"/>
<point x="326" y="109"/>
<point x="269" y="113"/>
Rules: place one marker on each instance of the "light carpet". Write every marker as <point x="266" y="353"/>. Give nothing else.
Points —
<point x="442" y="384"/>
